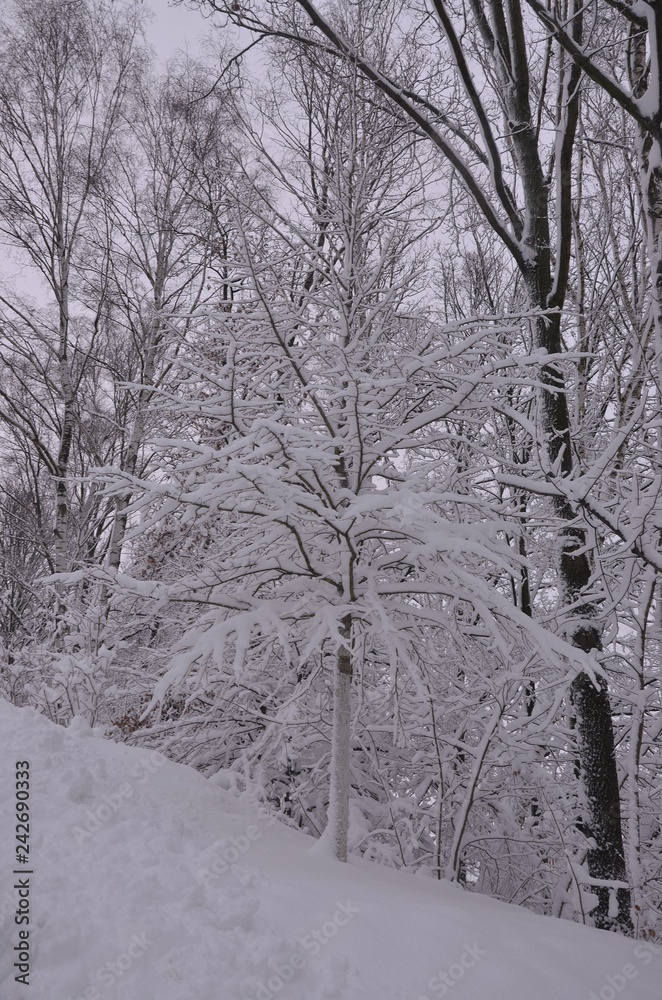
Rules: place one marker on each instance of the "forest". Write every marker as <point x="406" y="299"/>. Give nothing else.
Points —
<point x="331" y="421"/>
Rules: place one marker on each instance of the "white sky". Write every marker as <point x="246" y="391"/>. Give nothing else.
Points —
<point x="172" y="28"/>
<point x="176" y="27"/>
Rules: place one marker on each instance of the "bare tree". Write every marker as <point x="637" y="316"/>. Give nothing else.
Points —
<point x="66" y="73"/>
<point x="164" y="230"/>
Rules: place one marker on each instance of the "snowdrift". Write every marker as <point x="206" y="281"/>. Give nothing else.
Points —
<point x="145" y="881"/>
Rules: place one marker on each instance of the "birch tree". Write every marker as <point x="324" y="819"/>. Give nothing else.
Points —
<point x="66" y="73"/>
<point x="163" y="225"/>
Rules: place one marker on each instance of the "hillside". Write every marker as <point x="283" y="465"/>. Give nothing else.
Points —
<point x="152" y="883"/>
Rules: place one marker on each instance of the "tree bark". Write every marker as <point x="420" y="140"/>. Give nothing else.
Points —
<point x="526" y="234"/>
<point x="546" y="288"/>
<point x="335" y="833"/>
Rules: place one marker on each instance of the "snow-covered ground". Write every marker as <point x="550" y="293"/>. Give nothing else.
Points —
<point x="152" y="883"/>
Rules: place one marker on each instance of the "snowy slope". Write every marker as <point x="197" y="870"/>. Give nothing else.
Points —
<point x="152" y="883"/>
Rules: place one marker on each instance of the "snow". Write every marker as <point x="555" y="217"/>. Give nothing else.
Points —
<point x="153" y="883"/>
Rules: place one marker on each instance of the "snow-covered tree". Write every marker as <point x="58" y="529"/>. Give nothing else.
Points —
<point x="336" y="536"/>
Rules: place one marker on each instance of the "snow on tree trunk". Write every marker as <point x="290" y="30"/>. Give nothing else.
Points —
<point x="589" y="697"/>
<point x="335" y="833"/>
<point x="606" y="857"/>
<point x="545" y="277"/>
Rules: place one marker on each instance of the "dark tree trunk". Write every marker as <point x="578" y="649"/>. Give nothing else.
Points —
<point x="590" y="699"/>
<point x="606" y="860"/>
<point x="526" y="233"/>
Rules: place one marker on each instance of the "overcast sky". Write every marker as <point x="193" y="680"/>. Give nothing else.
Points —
<point x="172" y="28"/>
<point x="175" y="27"/>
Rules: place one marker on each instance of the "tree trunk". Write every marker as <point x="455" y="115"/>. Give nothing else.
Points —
<point x="590" y="699"/>
<point x="335" y="833"/>
<point x="527" y="236"/>
<point x="61" y="551"/>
